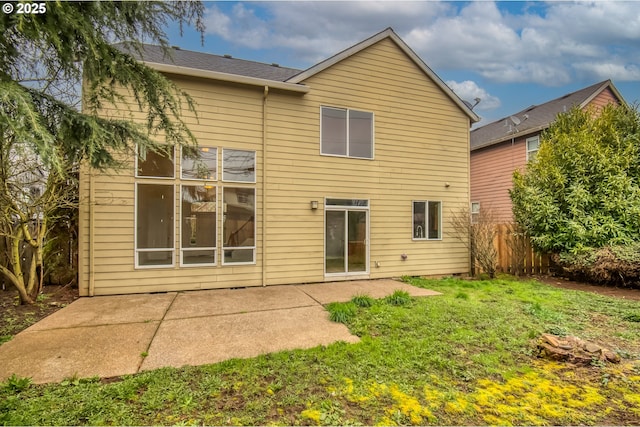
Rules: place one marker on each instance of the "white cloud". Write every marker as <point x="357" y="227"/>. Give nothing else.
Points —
<point x="502" y="44"/>
<point x="469" y="91"/>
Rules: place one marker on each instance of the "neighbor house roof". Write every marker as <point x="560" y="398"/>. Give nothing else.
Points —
<point x="536" y="117"/>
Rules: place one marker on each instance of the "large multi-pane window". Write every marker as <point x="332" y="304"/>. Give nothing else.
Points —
<point x="346" y="132"/>
<point x="427" y="224"/>
<point x="200" y="212"/>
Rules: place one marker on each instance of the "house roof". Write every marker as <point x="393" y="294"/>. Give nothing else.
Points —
<point x="536" y="117"/>
<point x="226" y="68"/>
<point x="387" y="33"/>
<point x="210" y="62"/>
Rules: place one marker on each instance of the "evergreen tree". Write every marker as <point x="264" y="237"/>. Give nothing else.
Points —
<point x="45" y="58"/>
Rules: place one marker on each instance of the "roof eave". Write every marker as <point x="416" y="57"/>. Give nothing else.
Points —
<point x="505" y="138"/>
<point x="388" y="33"/>
<point x="226" y="77"/>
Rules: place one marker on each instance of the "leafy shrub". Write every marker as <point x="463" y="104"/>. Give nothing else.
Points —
<point x="16" y="384"/>
<point x="582" y="190"/>
<point x="612" y="265"/>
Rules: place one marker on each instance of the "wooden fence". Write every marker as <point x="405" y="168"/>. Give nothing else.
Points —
<point x="515" y="254"/>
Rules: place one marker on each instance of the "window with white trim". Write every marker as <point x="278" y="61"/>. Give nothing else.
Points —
<point x="155" y="208"/>
<point x="345" y="132"/>
<point x="427" y="221"/>
<point x="475" y="212"/>
<point x="238" y="165"/>
<point x="198" y="209"/>
<point x="533" y="145"/>
<point x="239" y="225"/>
<point x="199" y="163"/>
<point x="200" y="212"/>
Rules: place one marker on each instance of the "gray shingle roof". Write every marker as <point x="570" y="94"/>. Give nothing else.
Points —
<point x="210" y="62"/>
<point x="538" y="117"/>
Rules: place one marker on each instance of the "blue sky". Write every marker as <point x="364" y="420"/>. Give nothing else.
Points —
<point x="510" y="54"/>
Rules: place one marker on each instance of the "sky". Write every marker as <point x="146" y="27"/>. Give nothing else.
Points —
<point x="510" y="54"/>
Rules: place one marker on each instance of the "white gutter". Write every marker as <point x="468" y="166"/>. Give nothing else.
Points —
<point x="226" y="77"/>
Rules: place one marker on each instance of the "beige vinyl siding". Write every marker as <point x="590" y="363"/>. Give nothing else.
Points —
<point x="228" y="117"/>
<point x="421" y="142"/>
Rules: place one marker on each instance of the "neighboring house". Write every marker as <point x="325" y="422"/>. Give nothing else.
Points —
<point x="350" y="169"/>
<point x="501" y="147"/>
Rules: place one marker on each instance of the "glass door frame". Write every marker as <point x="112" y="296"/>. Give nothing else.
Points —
<point x="346" y="205"/>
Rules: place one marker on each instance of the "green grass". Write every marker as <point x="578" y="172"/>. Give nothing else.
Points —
<point x="463" y="358"/>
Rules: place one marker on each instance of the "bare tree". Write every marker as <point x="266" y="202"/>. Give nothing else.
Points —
<point x="478" y="232"/>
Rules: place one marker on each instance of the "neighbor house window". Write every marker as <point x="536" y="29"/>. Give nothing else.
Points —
<point x="427" y="224"/>
<point x="198" y="225"/>
<point x="238" y="165"/>
<point x="239" y="225"/>
<point x="154" y="224"/>
<point x="346" y="132"/>
<point x="533" y="145"/>
<point x="475" y="212"/>
<point x="199" y="163"/>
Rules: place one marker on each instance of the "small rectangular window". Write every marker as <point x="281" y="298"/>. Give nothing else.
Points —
<point x="427" y="220"/>
<point x="346" y="132"/>
<point x="239" y="229"/>
<point x="198" y="225"/>
<point x="156" y="164"/>
<point x="199" y="163"/>
<point x="475" y="212"/>
<point x="533" y="145"/>
<point x="238" y="165"/>
<point x="154" y="224"/>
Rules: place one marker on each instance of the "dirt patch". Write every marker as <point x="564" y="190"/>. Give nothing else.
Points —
<point x="612" y="291"/>
<point x="17" y="317"/>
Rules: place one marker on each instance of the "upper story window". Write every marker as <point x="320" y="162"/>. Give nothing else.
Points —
<point x="156" y="164"/>
<point x="238" y="165"/>
<point x="533" y="145"/>
<point x="346" y="132"/>
<point x="199" y="163"/>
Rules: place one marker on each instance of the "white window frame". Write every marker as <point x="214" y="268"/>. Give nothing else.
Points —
<point x="475" y="212"/>
<point x="426" y="220"/>
<point x="173" y="176"/>
<point x="135" y="233"/>
<point x="214" y="248"/>
<point x="348" y="155"/>
<point x="532" y="139"/>
<point x="345" y="207"/>
<point x="255" y="229"/>
<point x="215" y="176"/>
<point x="255" y="163"/>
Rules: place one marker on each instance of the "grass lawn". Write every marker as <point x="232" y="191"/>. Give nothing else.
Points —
<point x="464" y="358"/>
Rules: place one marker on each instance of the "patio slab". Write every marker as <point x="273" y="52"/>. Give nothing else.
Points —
<point x="229" y="301"/>
<point x="203" y="340"/>
<point x="56" y="354"/>
<point x="325" y="293"/>
<point x="108" y="310"/>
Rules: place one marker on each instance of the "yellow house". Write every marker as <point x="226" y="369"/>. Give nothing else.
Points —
<point x="350" y="169"/>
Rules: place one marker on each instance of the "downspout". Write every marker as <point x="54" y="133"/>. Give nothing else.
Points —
<point x="264" y="185"/>
<point x="92" y="202"/>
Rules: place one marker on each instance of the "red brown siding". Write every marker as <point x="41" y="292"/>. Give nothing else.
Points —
<point x="491" y="175"/>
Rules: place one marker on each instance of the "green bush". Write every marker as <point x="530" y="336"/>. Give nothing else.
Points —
<point x="398" y="298"/>
<point x="612" y="265"/>
<point x="341" y="312"/>
<point x="582" y="189"/>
